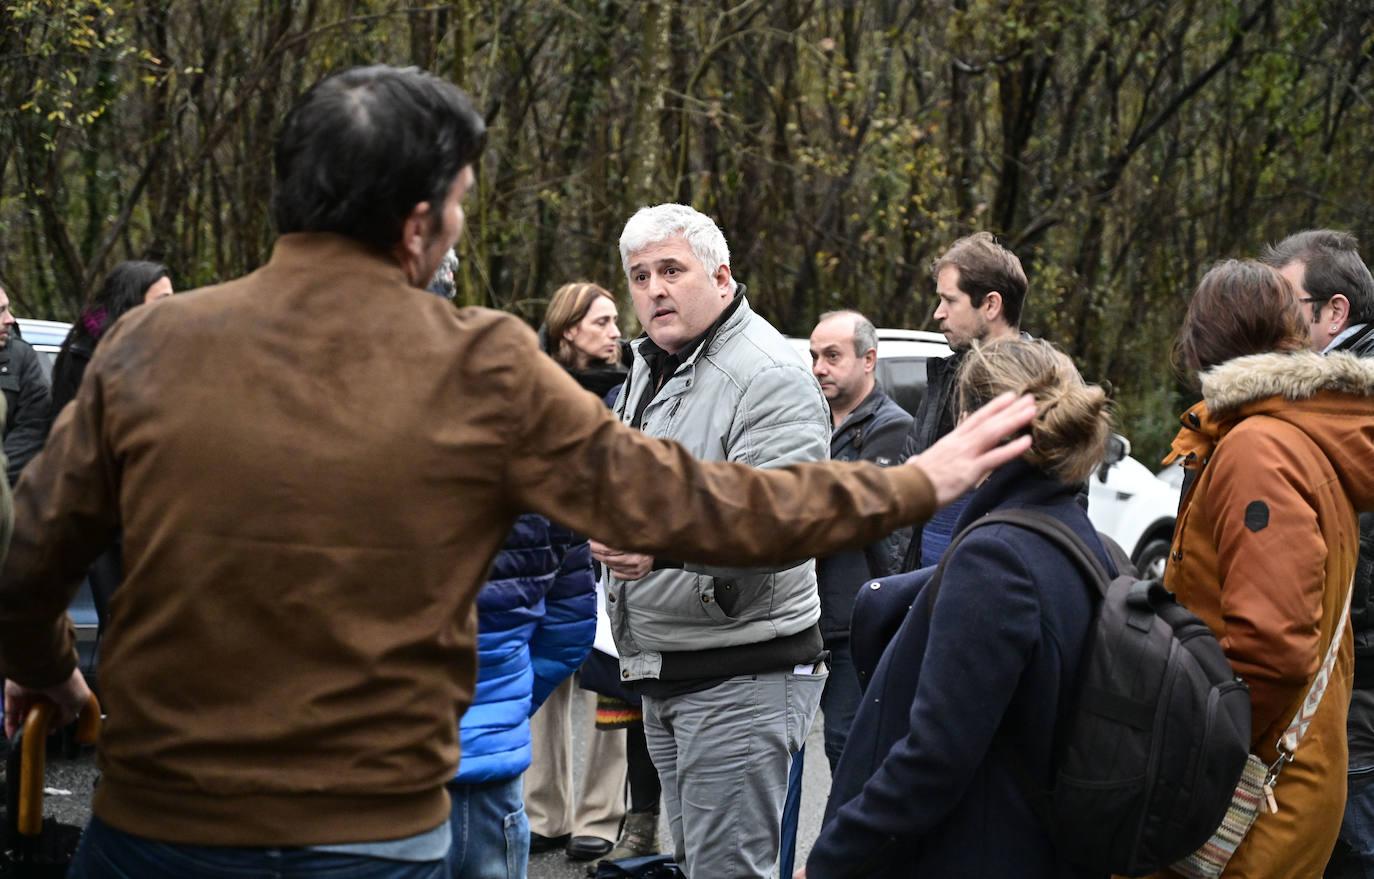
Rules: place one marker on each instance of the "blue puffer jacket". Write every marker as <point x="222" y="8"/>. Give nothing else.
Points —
<point x="536" y="618"/>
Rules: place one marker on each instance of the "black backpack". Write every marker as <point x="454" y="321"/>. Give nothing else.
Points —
<point x="1152" y="747"/>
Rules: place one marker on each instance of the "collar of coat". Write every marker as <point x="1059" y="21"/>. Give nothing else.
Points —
<point x="1235" y="389"/>
<point x="1297" y="375"/>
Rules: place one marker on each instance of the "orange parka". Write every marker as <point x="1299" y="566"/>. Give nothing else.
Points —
<point x="1282" y="450"/>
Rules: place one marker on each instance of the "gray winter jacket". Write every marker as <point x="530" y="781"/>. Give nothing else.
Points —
<point x="743" y="396"/>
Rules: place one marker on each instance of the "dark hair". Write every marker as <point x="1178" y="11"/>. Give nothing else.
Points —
<point x="123" y="289"/>
<point x="362" y="148"/>
<point x="1331" y="264"/>
<point x="1240" y="307"/>
<point x="985" y="266"/>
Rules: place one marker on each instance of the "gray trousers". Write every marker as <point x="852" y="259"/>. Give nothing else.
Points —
<point x="723" y="755"/>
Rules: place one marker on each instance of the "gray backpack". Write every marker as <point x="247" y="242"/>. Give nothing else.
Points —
<point x="1156" y="739"/>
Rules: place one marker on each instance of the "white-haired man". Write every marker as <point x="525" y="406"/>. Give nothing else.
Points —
<point x="730" y="662"/>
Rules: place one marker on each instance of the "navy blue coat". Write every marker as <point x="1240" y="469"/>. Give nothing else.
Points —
<point x="924" y="787"/>
<point x="536" y="618"/>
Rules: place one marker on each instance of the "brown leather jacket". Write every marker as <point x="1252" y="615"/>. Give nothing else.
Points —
<point x="313" y="467"/>
<point x="1264" y="552"/>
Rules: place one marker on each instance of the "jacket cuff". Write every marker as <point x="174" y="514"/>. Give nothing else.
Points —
<point x="57" y="644"/>
<point x="915" y="494"/>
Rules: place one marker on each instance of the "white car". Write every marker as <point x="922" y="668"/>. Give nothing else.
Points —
<point x="46" y="338"/>
<point x="1126" y="501"/>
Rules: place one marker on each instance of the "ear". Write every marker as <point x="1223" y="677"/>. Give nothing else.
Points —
<point x="414" y="229"/>
<point x="870" y="359"/>
<point x="1340" y="309"/>
<point x="722" y="279"/>
<point x="409" y="250"/>
<point x="992" y="305"/>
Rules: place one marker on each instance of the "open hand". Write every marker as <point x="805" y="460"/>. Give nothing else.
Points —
<point x="980" y="444"/>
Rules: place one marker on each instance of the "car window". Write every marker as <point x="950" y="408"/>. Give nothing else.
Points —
<point x="904" y="380"/>
<point x="46" y="358"/>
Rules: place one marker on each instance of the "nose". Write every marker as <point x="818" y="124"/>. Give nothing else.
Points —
<point x="656" y="286"/>
<point x="615" y="332"/>
<point x="940" y="313"/>
<point x="8" y="319"/>
<point x="818" y="368"/>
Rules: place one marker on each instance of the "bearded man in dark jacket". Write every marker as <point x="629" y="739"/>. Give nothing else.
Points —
<point x="1336" y="291"/>
<point x="868" y="426"/>
<point x="981" y="288"/>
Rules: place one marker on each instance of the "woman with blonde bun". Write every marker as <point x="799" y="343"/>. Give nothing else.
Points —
<point x="979" y="673"/>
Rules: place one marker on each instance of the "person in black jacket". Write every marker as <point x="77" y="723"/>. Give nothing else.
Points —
<point x="981" y="288"/>
<point x="129" y="284"/>
<point x="1336" y="291"/>
<point x="26" y="394"/>
<point x="967" y="696"/>
<point x="869" y="426"/>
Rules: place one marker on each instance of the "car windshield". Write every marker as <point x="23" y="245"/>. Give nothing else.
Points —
<point x="904" y="380"/>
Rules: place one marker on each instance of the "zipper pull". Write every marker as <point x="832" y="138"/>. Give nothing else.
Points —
<point x="1273" y="804"/>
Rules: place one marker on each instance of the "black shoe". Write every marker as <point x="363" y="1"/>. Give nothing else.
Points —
<point x="541" y="843"/>
<point x="588" y="848"/>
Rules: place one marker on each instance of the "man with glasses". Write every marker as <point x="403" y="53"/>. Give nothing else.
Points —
<point x="1336" y="291"/>
<point x="1333" y="285"/>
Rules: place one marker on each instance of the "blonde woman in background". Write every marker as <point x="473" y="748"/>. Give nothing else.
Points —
<point x="990" y="655"/>
<point x="580" y="332"/>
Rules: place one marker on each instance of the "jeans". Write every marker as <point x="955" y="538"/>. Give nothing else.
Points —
<point x="491" y="834"/>
<point x="723" y="755"/>
<point x="840" y="701"/>
<point x="1354" y="855"/>
<point x="107" y="853"/>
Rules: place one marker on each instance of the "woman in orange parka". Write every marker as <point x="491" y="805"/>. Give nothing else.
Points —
<point x="1281" y="453"/>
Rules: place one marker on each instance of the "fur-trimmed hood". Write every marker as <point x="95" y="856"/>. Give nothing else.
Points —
<point x="1330" y="399"/>
<point x="1298" y="375"/>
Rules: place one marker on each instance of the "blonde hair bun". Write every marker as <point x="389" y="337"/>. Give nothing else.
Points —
<point x="1073" y="419"/>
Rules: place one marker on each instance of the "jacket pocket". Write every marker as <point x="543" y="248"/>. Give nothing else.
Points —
<point x="718" y="597"/>
<point x="727" y="592"/>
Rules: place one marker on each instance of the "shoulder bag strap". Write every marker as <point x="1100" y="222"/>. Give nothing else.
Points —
<point x="1288" y="742"/>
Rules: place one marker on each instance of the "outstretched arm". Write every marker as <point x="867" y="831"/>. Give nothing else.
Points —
<point x="572" y="461"/>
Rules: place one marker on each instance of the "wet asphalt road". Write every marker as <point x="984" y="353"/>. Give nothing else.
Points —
<point x="70" y="783"/>
<point x="815" y="788"/>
